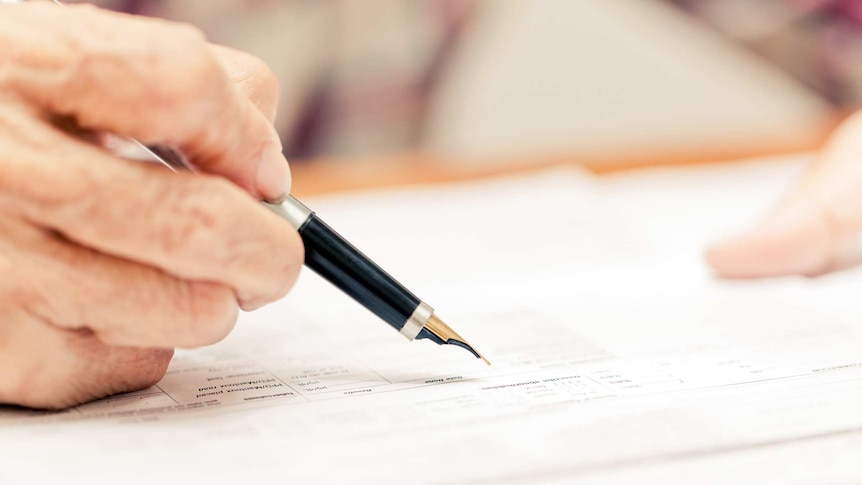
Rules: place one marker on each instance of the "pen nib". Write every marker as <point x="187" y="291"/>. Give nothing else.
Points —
<point x="448" y="336"/>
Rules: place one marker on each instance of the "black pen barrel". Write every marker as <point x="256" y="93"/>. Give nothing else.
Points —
<point x="340" y="263"/>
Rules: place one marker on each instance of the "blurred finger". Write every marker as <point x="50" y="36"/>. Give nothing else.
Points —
<point x="800" y="241"/>
<point x="816" y="228"/>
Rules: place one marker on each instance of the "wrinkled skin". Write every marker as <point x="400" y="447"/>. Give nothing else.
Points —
<point x="106" y="264"/>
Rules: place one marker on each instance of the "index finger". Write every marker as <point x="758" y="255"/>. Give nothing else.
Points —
<point x="149" y="79"/>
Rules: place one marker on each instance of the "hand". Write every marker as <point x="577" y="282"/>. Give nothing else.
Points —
<point x="816" y="227"/>
<point x="107" y="264"/>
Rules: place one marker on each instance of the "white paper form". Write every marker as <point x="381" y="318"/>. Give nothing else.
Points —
<point x="612" y="363"/>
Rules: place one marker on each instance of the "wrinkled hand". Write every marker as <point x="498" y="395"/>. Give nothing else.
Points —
<point x="817" y="226"/>
<point x="107" y="264"/>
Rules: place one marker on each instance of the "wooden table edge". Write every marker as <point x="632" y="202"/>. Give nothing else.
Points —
<point x="326" y="176"/>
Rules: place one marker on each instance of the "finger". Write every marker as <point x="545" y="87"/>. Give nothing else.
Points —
<point x="252" y="77"/>
<point x="144" y="78"/>
<point x="195" y="227"/>
<point x="77" y="288"/>
<point x="49" y="368"/>
<point x="816" y="229"/>
<point x="800" y="241"/>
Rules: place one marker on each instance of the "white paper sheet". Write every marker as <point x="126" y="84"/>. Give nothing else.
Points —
<point x="616" y="356"/>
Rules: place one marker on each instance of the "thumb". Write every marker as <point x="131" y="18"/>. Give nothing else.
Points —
<point x="816" y="229"/>
<point x="797" y="239"/>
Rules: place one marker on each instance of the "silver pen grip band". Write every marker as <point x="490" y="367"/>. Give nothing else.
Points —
<point x="292" y="210"/>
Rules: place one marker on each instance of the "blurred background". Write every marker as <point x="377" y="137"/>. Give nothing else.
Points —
<point x="605" y="83"/>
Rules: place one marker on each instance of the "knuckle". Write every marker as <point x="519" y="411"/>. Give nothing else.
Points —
<point x="210" y="311"/>
<point x="257" y="80"/>
<point x="249" y="66"/>
<point x="184" y="73"/>
<point x="190" y="220"/>
<point x="187" y="62"/>
<point x="262" y="75"/>
<point x="188" y="34"/>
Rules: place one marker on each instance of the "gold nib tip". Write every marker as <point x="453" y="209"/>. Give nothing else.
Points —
<point x="449" y="336"/>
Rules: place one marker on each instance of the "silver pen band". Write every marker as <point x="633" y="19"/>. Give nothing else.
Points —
<point x="292" y="210"/>
<point x="417" y="321"/>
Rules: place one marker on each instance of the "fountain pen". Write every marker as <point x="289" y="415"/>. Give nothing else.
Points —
<point x="337" y="261"/>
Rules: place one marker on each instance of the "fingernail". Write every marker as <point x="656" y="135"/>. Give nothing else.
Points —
<point x="273" y="173"/>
